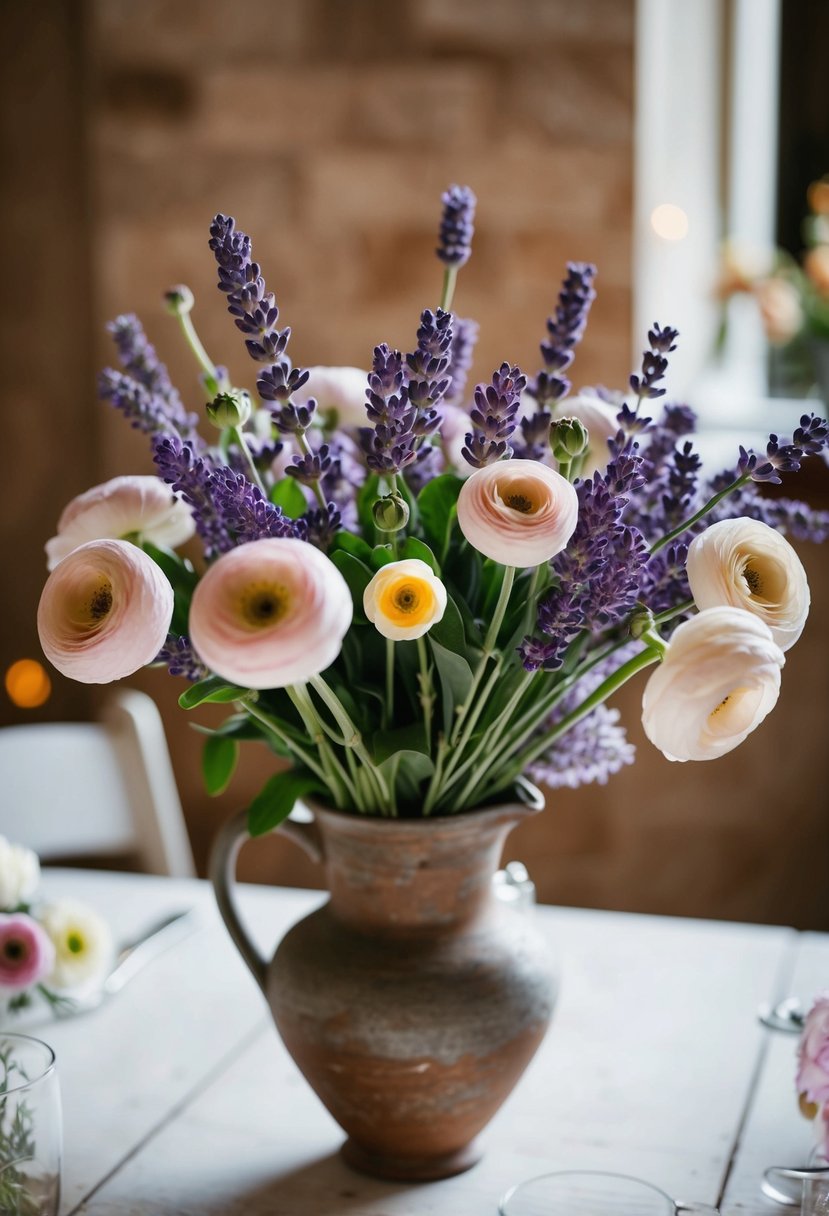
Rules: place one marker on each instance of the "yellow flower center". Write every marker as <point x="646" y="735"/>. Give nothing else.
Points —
<point x="74" y="942"/>
<point x="765" y="579"/>
<point x="407" y="601"/>
<point x="263" y="604"/>
<point x="524" y="495"/>
<point x="92" y="604"/>
<point x="735" y="712"/>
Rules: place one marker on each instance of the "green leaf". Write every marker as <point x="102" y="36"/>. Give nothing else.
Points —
<point x="414" y="548"/>
<point x="355" y="545"/>
<point x="214" y="688"/>
<point x="367" y="495"/>
<point x="437" y="504"/>
<point x="218" y="762"/>
<point x="405" y="771"/>
<point x="288" y="495"/>
<point x="182" y="578"/>
<point x="404" y="738"/>
<point x="237" y="726"/>
<point x="358" y="576"/>
<point x="449" y="631"/>
<point x="455" y="680"/>
<point x="381" y="555"/>
<point x="275" y="801"/>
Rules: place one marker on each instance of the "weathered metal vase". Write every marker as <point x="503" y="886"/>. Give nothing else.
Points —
<point x="414" y="999"/>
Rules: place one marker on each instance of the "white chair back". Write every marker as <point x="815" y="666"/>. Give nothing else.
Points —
<point x="75" y="789"/>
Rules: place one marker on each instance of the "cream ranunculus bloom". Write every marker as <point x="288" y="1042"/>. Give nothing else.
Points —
<point x="404" y="599"/>
<point x="602" y="424"/>
<point x="342" y="389"/>
<point x="19" y="874"/>
<point x="121" y="508"/>
<point x="719" y="678"/>
<point x="82" y="941"/>
<point x="747" y="564"/>
<point x="270" y="613"/>
<point x="518" y="512"/>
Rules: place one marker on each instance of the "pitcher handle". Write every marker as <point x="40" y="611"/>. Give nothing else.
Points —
<point x="222" y="872"/>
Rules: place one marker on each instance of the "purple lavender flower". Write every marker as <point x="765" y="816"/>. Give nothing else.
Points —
<point x="664" y="582"/>
<point x="654" y="362"/>
<point x="180" y="659"/>
<point x="565" y="329"/>
<point x="428" y="366"/>
<point x="493" y="417"/>
<point x="464" y="337"/>
<point x="593" y="749"/>
<point x="280" y="382"/>
<point x="782" y="456"/>
<point x="456" y="226"/>
<point x="310" y="468"/>
<point x="598" y="574"/>
<point x="252" y="307"/>
<point x="191" y="476"/>
<point x="389" y="444"/>
<point x="323" y="524"/>
<point x="246" y="512"/>
<point x="535" y="436"/>
<point x="139" y="359"/>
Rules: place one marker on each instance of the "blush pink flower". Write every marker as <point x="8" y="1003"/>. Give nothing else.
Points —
<point x="270" y="613"/>
<point x="143" y="507"/>
<point x="813" y="1052"/>
<point x="26" y="952"/>
<point x="104" y="612"/>
<point x="518" y="512"/>
<point x="342" y="389"/>
<point x="719" y="679"/>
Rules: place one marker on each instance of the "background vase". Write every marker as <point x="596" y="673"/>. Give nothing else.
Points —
<point x="414" y="999"/>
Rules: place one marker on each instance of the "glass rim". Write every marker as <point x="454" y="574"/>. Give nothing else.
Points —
<point x="15" y="1036"/>
<point x="513" y="1190"/>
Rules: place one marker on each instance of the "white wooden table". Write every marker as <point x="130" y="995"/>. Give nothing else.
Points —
<point x="179" y="1097"/>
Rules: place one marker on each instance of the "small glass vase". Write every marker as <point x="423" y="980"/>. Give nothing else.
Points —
<point x="30" y="1128"/>
<point x="592" y="1193"/>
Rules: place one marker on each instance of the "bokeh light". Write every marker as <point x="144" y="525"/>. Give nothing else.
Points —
<point x="669" y="221"/>
<point x="28" y="684"/>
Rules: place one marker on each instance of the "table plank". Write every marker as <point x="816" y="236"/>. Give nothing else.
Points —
<point x="647" y="1070"/>
<point x="775" y="1132"/>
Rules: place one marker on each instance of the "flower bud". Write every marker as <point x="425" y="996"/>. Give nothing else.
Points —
<point x="568" y="439"/>
<point x="641" y="623"/>
<point x="391" y="513"/>
<point x="178" y="300"/>
<point x="230" y="409"/>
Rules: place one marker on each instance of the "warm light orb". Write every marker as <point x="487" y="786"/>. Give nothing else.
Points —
<point x="28" y="684"/>
<point x="670" y="222"/>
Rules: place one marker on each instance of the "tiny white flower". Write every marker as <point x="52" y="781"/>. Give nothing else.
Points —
<point x="19" y="874"/>
<point x="82" y="941"/>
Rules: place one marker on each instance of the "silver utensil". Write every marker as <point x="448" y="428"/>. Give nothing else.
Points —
<point x="787" y="1016"/>
<point x="775" y="1178"/>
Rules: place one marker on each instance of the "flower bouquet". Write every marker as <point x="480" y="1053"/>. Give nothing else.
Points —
<point x="49" y="952"/>
<point x="419" y="597"/>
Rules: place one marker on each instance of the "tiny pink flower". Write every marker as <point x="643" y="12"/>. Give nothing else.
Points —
<point x="518" y="512"/>
<point x="270" y="613"/>
<point x="124" y="507"/>
<point x="26" y="952"/>
<point x="813" y="1052"/>
<point x="104" y="612"/>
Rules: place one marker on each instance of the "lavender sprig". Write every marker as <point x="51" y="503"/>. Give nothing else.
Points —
<point x="191" y="476"/>
<point x="139" y="359"/>
<point x="252" y="306"/>
<point x="493" y="417"/>
<point x="565" y="329"/>
<point x="389" y="444"/>
<point x="654" y="363"/>
<point x="180" y="659"/>
<point x="246" y="512"/>
<point x="456" y="226"/>
<point x="464" y="337"/>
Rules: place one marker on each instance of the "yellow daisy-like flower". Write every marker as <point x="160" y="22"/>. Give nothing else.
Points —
<point x="404" y="600"/>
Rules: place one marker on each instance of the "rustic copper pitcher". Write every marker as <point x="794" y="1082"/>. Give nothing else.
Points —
<point x="414" y="999"/>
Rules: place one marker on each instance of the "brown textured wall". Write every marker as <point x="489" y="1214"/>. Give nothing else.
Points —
<point x="329" y="128"/>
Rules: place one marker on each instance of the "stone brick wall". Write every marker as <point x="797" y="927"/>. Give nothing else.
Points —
<point x="329" y="129"/>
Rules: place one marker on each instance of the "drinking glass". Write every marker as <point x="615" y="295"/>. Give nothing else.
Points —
<point x="30" y="1128"/>
<point x="591" y="1193"/>
<point x="816" y="1195"/>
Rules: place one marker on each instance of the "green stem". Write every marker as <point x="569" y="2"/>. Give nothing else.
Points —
<point x="427" y="695"/>
<point x="388" y="708"/>
<point x="450" y="278"/>
<point x="434" y="784"/>
<point x="351" y="734"/>
<point x="274" y="728"/>
<point x="470" y="721"/>
<point x="662" y="618"/>
<point x="194" y="342"/>
<point x="238" y="435"/>
<point x="698" y="515"/>
<point x="489" y="646"/>
<point x="317" y="729"/>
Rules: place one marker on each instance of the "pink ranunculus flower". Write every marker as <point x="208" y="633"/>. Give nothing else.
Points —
<point x="26" y="952"/>
<point x="813" y="1052"/>
<point x="124" y="507"/>
<point x="270" y="613"/>
<point x="518" y="512"/>
<point x="719" y="678"/>
<point x="746" y="563"/>
<point x="104" y="612"/>
<point x="342" y="389"/>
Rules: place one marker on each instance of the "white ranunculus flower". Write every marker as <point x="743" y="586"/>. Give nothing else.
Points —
<point x="719" y="678"/>
<point x="82" y="941"/>
<point x="747" y="564"/>
<point x="601" y="422"/>
<point x="337" y="388"/>
<point x="19" y="874"/>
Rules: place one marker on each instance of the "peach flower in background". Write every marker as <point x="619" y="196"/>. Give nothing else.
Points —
<point x="816" y="265"/>
<point x="27" y="955"/>
<point x="104" y="612"/>
<point x="745" y="563"/>
<point x="270" y="613"/>
<point x="780" y="309"/>
<point x="813" y="1052"/>
<point x="518" y="512"/>
<point x="600" y="419"/>
<point x="404" y="599"/>
<point x="337" y="388"/>
<point x="122" y="507"/>
<point x="719" y="678"/>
